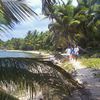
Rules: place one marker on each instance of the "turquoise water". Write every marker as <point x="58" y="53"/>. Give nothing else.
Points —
<point x="15" y="54"/>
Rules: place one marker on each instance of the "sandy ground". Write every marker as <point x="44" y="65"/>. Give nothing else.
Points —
<point x="86" y="76"/>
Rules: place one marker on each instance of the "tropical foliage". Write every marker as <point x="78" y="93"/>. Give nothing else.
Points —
<point x="27" y="73"/>
<point x="13" y="11"/>
<point x="91" y="62"/>
<point x="33" y="41"/>
<point x="70" y="25"/>
<point x="73" y="25"/>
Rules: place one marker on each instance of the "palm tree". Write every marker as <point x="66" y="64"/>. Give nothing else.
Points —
<point x="88" y="14"/>
<point x="29" y="73"/>
<point x="75" y="23"/>
<point x="65" y="24"/>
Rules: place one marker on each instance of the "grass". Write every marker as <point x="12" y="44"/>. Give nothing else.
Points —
<point x="91" y="62"/>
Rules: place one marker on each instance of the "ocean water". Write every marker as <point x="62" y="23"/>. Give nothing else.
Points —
<point x="15" y="54"/>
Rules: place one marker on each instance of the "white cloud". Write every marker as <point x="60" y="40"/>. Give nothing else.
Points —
<point x="36" y="3"/>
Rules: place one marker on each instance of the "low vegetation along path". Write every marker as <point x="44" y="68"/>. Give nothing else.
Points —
<point x="86" y="76"/>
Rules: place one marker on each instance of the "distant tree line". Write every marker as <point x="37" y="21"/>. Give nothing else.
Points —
<point x="33" y="41"/>
<point x="46" y="41"/>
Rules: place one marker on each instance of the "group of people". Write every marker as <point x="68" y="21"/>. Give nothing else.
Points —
<point x="72" y="52"/>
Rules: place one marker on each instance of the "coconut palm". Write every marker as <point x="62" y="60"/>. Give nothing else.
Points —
<point x="24" y="73"/>
<point x="75" y="23"/>
<point x="65" y="24"/>
<point x="88" y="14"/>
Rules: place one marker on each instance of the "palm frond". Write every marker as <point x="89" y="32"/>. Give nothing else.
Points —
<point x="26" y="72"/>
<point x="48" y="4"/>
<point x="15" y="11"/>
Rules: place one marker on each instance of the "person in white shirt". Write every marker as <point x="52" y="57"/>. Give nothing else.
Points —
<point x="68" y="52"/>
<point x="76" y="52"/>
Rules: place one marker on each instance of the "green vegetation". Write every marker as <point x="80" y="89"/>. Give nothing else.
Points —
<point x="91" y="62"/>
<point x="76" y="25"/>
<point x="70" y="25"/>
<point x="33" y="41"/>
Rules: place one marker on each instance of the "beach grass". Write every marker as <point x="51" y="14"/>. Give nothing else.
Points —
<point x="91" y="62"/>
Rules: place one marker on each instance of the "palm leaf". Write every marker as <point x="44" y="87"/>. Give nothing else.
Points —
<point x="25" y="72"/>
<point x="47" y="5"/>
<point x="14" y="11"/>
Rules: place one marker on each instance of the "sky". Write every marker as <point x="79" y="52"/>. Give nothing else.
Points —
<point x="39" y="23"/>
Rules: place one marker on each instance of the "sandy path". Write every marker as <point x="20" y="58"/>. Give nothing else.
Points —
<point x="86" y="76"/>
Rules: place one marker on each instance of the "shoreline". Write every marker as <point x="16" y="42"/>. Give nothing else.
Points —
<point x="29" y="51"/>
